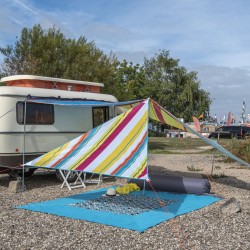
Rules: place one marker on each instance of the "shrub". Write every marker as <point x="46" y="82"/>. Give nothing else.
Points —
<point x="152" y="133"/>
<point x="240" y="148"/>
<point x="216" y="176"/>
<point x="194" y="169"/>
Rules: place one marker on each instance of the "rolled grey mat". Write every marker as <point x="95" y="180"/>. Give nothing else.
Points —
<point x="175" y="184"/>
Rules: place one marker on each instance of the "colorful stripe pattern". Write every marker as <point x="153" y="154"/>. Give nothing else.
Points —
<point x="117" y="147"/>
<point x="156" y="112"/>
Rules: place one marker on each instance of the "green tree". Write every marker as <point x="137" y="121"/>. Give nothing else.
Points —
<point x="173" y="87"/>
<point x="127" y="82"/>
<point x="49" y="53"/>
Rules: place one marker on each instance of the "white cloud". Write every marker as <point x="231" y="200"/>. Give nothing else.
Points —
<point x="26" y="7"/>
<point x="213" y="33"/>
<point x="227" y="86"/>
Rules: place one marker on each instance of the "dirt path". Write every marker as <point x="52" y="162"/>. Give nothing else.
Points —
<point x="196" y="165"/>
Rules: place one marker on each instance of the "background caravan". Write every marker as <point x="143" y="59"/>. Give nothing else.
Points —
<point x="46" y="125"/>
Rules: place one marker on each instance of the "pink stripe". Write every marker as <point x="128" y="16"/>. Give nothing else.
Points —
<point x="106" y="143"/>
<point x="158" y="113"/>
<point x="144" y="174"/>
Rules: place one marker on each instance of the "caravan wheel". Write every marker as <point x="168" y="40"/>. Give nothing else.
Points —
<point x="19" y="173"/>
<point x="72" y="177"/>
<point x="29" y="172"/>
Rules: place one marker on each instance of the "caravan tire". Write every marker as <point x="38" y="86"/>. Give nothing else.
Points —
<point x="72" y="177"/>
<point x="28" y="173"/>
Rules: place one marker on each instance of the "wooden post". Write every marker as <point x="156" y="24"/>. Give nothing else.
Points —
<point x="213" y="164"/>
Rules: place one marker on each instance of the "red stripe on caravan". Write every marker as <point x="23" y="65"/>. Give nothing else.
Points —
<point x="106" y="143"/>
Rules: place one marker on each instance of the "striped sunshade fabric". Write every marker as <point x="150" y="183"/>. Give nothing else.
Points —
<point x="117" y="147"/>
<point x="156" y="112"/>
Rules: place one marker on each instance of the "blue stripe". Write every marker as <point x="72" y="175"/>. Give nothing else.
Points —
<point x="79" y="147"/>
<point x="133" y="159"/>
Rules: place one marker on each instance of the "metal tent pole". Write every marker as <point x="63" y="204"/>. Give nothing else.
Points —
<point x="24" y="137"/>
<point x="144" y="183"/>
<point x="144" y="186"/>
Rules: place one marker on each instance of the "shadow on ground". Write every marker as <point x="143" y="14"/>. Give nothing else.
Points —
<point x="227" y="180"/>
<point x="45" y="179"/>
<point x="38" y="179"/>
<point x="48" y="178"/>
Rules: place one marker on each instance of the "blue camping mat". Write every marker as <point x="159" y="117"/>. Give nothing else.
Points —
<point x="139" y="219"/>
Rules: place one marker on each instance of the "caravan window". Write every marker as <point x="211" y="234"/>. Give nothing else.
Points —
<point x="100" y="115"/>
<point x="36" y="113"/>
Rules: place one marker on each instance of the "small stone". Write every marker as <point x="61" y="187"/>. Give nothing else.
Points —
<point x="231" y="206"/>
<point x="15" y="186"/>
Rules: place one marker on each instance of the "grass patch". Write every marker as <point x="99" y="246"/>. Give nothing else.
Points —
<point x="194" y="169"/>
<point x="164" y="145"/>
<point x="217" y="167"/>
<point x="239" y="167"/>
<point x="216" y="176"/>
<point x="240" y="148"/>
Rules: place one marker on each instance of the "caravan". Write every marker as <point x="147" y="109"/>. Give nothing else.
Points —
<point x="28" y="129"/>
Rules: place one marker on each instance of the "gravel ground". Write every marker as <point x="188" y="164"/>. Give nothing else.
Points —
<point x="206" y="228"/>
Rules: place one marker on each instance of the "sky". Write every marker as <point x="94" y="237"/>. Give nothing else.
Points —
<point x="210" y="37"/>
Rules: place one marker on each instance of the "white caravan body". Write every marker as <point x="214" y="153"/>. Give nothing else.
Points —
<point x="33" y="138"/>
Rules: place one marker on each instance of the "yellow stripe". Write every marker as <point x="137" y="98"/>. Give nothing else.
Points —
<point x="141" y="167"/>
<point x="167" y="118"/>
<point x="171" y="121"/>
<point x="50" y="156"/>
<point x="106" y="134"/>
<point x="152" y="114"/>
<point x="125" y="143"/>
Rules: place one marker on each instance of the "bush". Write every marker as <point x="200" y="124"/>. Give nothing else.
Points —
<point x="194" y="169"/>
<point x="240" y="148"/>
<point x="152" y="133"/>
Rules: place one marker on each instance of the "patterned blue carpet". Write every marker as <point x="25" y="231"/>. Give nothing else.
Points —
<point x="134" y="211"/>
